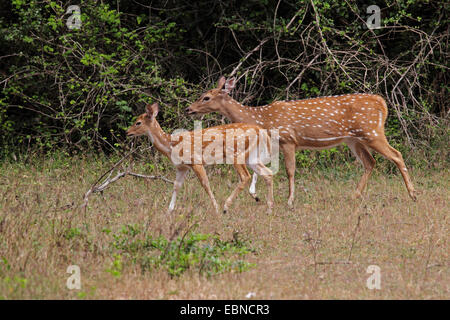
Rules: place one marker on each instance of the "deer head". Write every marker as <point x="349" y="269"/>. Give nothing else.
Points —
<point x="213" y="99"/>
<point x="144" y="122"/>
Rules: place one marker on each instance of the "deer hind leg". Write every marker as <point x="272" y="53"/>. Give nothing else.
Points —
<point x="383" y="147"/>
<point x="181" y="175"/>
<point x="361" y="152"/>
<point x="244" y="178"/>
<point x="267" y="174"/>
<point x="204" y="181"/>
<point x="289" y="160"/>
<point x="252" y="189"/>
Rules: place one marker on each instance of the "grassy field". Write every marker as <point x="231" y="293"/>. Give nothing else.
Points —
<point x="127" y="247"/>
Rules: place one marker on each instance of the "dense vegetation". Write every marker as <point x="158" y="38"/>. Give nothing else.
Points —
<point x="78" y="89"/>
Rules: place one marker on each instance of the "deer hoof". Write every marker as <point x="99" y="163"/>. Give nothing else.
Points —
<point x="356" y="195"/>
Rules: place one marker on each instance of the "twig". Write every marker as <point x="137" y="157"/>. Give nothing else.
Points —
<point x="247" y="56"/>
<point x="122" y="174"/>
<point x="353" y="239"/>
<point x="94" y="188"/>
<point x="332" y="262"/>
<point x="148" y="177"/>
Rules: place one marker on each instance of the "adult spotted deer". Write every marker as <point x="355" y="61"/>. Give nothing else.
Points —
<point x="318" y="123"/>
<point x="185" y="152"/>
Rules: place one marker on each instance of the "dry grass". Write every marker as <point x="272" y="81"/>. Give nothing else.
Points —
<point x="316" y="251"/>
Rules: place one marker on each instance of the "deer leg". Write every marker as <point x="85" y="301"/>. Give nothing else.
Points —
<point x="361" y="152"/>
<point x="289" y="160"/>
<point x="181" y="175"/>
<point x="267" y="174"/>
<point x="204" y="181"/>
<point x="252" y="189"/>
<point x="244" y="178"/>
<point x="383" y="147"/>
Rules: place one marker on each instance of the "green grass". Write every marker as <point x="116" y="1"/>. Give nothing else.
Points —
<point x="128" y="247"/>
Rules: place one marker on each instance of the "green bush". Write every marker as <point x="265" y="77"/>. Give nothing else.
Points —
<point x="79" y="89"/>
<point x="203" y="253"/>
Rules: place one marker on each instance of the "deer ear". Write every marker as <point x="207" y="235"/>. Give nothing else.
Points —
<point x="221" y="82"/>
<point x="152" y="110"/>
<point x="229" y="84"/>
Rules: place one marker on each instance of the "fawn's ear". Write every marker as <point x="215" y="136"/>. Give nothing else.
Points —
<point x="229" y="84"/>
<point x="221" y="82"/>
<point x="152" y="110"/>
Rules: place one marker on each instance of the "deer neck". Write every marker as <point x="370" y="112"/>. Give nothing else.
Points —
<point x="237" y="112"/>
<point x="160" y="139"/>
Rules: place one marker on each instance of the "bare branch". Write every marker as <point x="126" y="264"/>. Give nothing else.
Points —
<point x="99" y="188"/>
<point x="247" y="56"/>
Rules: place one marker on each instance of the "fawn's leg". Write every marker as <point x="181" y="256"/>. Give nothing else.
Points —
<point x="252" y="189"/>
<point x="361" y="152"/>
<point x="266" y="173"/>
<point x="181" y="175"/>
<point x="203" y="178"/>
<point x="244" y="177"/>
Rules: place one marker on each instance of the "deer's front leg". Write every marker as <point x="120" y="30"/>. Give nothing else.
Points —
<point x="244" y="178"/>
<point x="289" y="160"/>
<point x="181" y="175"/>
<point x="203" y="178"/>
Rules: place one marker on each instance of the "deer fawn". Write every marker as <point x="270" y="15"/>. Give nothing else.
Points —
<point x="318" y="123"/>
<point x="167" y="144"/>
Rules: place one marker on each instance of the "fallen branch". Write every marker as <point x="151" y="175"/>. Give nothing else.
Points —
<point x="331" y="262"/>
<point x="99" y="188"/>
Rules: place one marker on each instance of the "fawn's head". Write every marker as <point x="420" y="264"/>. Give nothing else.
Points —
<point x="144" y="122"/>
<point x="212" y="99"/>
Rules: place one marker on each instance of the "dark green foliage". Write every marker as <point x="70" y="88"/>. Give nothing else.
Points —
<point x="204" y="253"/>
<point x="79" y="89"/>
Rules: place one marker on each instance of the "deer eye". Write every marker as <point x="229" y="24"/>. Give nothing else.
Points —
<point x="206" y="98"/>
<point x="138" y="123"/>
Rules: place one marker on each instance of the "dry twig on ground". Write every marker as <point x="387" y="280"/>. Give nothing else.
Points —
<point x="120" y="174"/>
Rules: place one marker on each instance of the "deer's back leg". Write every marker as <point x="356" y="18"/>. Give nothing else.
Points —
<point x="383" y="147"/>
<point x="361" y="152"/>
<point x="252" y="189"/>
<point x="267" y="175"/>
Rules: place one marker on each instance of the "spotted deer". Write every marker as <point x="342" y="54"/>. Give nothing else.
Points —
<point x="242" y="150"/>
<point x="317" y="123"/>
